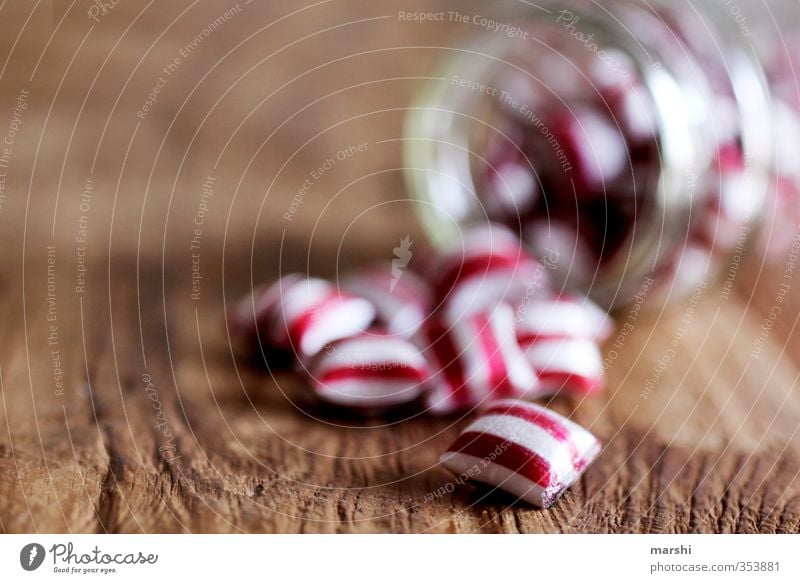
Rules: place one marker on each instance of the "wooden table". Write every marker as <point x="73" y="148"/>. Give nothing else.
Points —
<point x="123" y="407"/>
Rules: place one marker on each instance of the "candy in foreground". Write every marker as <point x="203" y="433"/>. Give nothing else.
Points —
<point x="371" y="371"/>
<point x="521" y="448"/>
<point x="476" y="360"/>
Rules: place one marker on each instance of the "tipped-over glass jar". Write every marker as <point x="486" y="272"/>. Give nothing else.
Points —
<point x="626" y="142"/>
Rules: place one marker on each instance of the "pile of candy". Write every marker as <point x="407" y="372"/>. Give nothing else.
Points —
<point x="576" y="169"/>
<point x="571" y="173"/>
<point x="580" y="169"/>
<point x="475" y="329"/>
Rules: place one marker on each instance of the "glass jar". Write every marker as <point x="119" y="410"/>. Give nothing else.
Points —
<point x="626" y="143"/>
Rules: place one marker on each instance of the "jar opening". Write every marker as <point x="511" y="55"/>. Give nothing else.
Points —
<point x="598" y="147"/>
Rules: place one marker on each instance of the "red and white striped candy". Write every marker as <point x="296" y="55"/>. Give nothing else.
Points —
<point x="250" y="314"/>
<point x="402" y="299"/>
<point x="623" y="94"/>
<point x="510" y="187"/>
<point x="568" y="365"/>
<point x="559" y="336"/>
<point x="526" y="450"/>
<point x="511" y="190"/>
<point x="249" y="323"/>
<point x="595" y="147"/>
<point x="490" y="268"/>
<point x="303" y="314"/>
<point x="373" y="370"/>
<point x="562" y="316"/>
<point x="475" y="360"/>
<point x="637" y="115"/>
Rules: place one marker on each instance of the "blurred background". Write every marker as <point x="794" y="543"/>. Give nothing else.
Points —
<point x="257" y="101"/>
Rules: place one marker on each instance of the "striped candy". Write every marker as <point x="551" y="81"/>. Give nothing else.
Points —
<point x="570" y="365"/>
<point x="373" y="370"/>
<point x="475" y="360"/>
<point x="249" y="315"/>
<point x="511" y="190"/>
<point x="562" y="316"/>
<point x="510" y="187"/>
<point x="595" y="147"/>
<point x="402" y="299"/>
<point x="249" y="325"/>
<point x="302" y="315"/>
<point x="521" y="448"/>
<point x="559" y="336"/>
<point x="489" y="269"/>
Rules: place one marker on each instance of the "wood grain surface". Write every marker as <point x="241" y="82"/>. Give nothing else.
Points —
<point x="123" y="407"/>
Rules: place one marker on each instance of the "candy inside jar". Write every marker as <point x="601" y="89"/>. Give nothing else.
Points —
<point x="623" y="146"/>
<point x="570" y="170"/>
